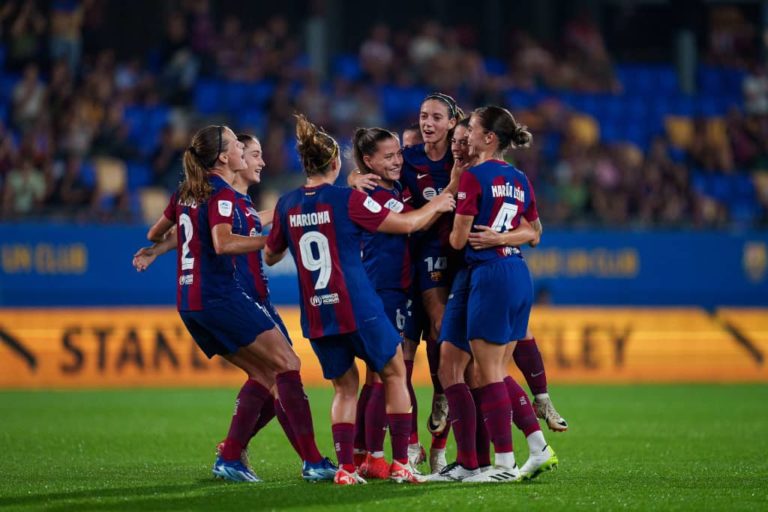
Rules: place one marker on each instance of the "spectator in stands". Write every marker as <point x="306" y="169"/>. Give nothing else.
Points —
<point x="167" y="169"/>
<point x="27" y="27"/>
<point x="24" y="189"/>
<point x="71" y="195"/>
<point x="66" y="31"/>
<point x="28" y="98"/>
<point x="376" y="54"/>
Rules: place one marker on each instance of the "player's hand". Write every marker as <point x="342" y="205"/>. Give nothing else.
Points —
<point x="485" y="238"/>
<point x="444" y="202"/>
<point x="143" y="258"/>
<point x="363" y="182"/>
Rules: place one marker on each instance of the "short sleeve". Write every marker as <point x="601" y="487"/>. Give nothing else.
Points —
<point x="277" y="242"/>
<point x="221" y="207"/>
<point x="531" y="213"/>
<point x="468" y="195"/>
<point x="170" y="210"/>
<point x="365" y="211"/>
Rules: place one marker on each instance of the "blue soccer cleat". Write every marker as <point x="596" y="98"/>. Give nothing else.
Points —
<point x="323" y="470"/>
<point x="234" y="471"/>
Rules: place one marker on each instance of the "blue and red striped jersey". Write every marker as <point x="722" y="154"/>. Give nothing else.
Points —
<point x="497" y="194"/>
<point x="250" y="266"/>
<point x="423" y="179"/>
<point x="322" y="226"/>
<point x="203" y="276"/>
<point x="386" y="257"/>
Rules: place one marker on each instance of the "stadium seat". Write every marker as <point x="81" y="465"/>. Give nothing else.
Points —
<point x="110" y="176"/>
<point x="716" y="132"/>
<point x="347" y="66"/>
<point x="208" y="96"/>
<point x="138" y="175"/>
<point x="153" y="201"/>
<point x="584" y="129"/>
<point x="679" y="131"/>
<point x="495" y="67"/>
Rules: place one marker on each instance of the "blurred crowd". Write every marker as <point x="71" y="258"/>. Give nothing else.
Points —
<point x="65" y="111"/>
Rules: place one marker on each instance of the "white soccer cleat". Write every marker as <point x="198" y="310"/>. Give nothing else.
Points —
<point x="405" y="473"/>
<point x="416" y="454"/>
<point x="547" y="412"/>
<point x="538" y="463"/>
<point x="437" y="460"/>
<point x="344" y="477"/>
<point x="495" y="474"/>
<point x="438" y="420"/>
<point x="453" y="472"/>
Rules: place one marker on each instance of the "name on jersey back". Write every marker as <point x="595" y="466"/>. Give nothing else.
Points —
<point x="507" y="190"/>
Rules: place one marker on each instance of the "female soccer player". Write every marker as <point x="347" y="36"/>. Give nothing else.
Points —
<point x="495" y="194"/>
<point x="341" y="314"/>
<point x="222" y="319"/>
<point x="248" y="222"/>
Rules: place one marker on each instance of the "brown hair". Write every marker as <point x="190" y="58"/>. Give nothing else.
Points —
<point x="199" y="158"/>
<point x="501" y="122"/>
<point x="246" y="138"/>
<point x="366" y="141"/>
<point x="316" y="148"/>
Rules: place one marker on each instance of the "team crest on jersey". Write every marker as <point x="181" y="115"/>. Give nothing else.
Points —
<point x="225" y="208"/>
<point x="429" y="193"/>
<point x="372" y="205"/>
<point x="394" y="205"/>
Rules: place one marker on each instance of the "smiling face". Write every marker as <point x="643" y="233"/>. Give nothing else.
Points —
<point x="460" y="144"/>
<point x="477" y="136"/>
<point x="435" y="121"/>
<point x="387" y="160"/>
<point x="254" y="162"/>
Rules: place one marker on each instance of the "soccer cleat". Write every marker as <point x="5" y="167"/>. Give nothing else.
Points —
<point x="453" y="472"/>
<point x="319" y="471"/>
<point x="404" y="473"/>
<point x="438" y="420"/>
<point x="344" y="477"/>
<point x="234" y="471"/>
<point x="437" y="460"/>
<point x="243" y="454"/>
<point x="495" y="474"/>
<point x="546" y="460"/>
<point x="546" y="411"/>
<point x="416" y="454"/>
<point x="374" y="468"/>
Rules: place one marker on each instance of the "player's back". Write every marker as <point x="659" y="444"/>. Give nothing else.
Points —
<point x="498" y="195"/>
<point x="336" y="294"/>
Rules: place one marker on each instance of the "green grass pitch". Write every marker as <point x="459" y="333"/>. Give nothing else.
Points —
<point x="671" y="447"/>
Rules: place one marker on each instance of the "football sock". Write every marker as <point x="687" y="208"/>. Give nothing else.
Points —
<point x="528" y="358"/>
<point x="286" y="424"/>
<point x="523" y="414"/>
<point x="296" y="406"/>
<point x="483" y="442"/>
<point x="362" y="402"/>
<point x="399" y="430"/>
<point x="343" y="439"/>
<point x="376" y="419"/>
<point x="414" y="438"/>
<point x="248" y="406"/>
<point x="464" y="423"/>
<point x="497" y="409"/>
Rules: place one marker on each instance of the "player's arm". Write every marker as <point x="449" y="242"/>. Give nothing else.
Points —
<point x="486" y="237"/>
<point x="462" y="225"/>
<point x="145" y="256"/>
<point x="456" y="172"/>
<point x="226" y="242"/>
<point x="266" y="216"/>
<point x="270" y="257"/>
<point x="362" y="182"/>
<point x="415" y="220"/>
<point x="159" y="230"/>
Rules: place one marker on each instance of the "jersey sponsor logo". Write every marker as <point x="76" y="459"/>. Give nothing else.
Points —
<point x="429" y="193"/>
<point x="225" y="208"/>
<point x="186" y="279"/>
<point x="394" y="205"/>
<point x="421" y="176"/>
<point x="324" y="300"/>
<point x="371" y="205"/>
<point x="507" y="190"/>
<point x="309" y="219"/>
<point x="461" y="195"/>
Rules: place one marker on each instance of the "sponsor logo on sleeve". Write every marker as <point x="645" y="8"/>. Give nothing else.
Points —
<point x="394" y="205"/>
<point x="225" y="208"/>
<point x="372" y="205"/>
<point x="461" y="195"/>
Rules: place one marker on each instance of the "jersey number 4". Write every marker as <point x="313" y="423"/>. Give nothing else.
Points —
<point x="316" y="255"/>
<point x="503" y="220"/>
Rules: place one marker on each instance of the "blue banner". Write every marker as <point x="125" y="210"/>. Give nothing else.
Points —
<point x="66" y="265"/>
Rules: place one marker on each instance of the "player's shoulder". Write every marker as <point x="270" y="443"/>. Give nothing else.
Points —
<point x="414" y="154"/>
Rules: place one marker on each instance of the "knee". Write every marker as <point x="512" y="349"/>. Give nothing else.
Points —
<point x="448" y="375"/>
<point x="288" y="361"/>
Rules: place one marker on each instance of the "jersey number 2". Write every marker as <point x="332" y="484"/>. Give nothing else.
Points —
<point x="187" y="261"/>
<point x="312" y="243"/>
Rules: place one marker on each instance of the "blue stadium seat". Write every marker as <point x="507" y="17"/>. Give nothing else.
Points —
<point x="260" y="93"/>
<point x="88" y="173"/>
<point x="495" y="67"/>
<point x="347" y="66"/>
<point x="252" y="120"/>
<point x="138" y="175"/>
<point x="7" y="83"/>
<point x="400" y="104"/>
<point x="209" y="96"/>
<point x="236" y="96"/>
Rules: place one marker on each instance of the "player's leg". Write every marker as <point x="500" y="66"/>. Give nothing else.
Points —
<point x="416" y="453"/>
<point x="375" y="465"/>
<point x="362" y="403"/>
<point x="528" y="359"/>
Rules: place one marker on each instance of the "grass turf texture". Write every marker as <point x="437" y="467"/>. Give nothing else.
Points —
<point x="675" y="447"/>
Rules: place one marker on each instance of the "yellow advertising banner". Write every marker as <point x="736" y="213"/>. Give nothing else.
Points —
<point x="126" y="347"/>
